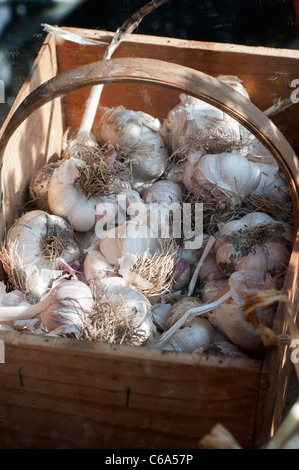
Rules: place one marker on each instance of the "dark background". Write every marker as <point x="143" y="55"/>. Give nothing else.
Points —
<point x="270" y="23"/>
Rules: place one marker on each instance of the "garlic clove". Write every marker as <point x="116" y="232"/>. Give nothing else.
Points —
<point x="180" y="307"/>
<point x="39" y="185"/>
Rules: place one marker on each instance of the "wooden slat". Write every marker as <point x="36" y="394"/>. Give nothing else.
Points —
<point x="119" y="396"/>
<point x="35" y="143"/>
<point x="97" y="396"/>
<point x="267" y="74"/>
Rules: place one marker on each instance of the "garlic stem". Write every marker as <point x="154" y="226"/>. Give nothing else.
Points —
<point x="205" y="253"/>
<point x="193" y="312"/>
<point x="23" y="312"/>
<point x="92" y="104"/>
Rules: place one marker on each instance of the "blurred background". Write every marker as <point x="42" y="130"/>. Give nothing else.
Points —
<point x="271" y="23"/>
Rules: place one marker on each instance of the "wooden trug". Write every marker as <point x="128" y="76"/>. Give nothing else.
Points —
<point x="66" y="393"/>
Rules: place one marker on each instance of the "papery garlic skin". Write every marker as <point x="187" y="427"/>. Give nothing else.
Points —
<point x="96" y="266"/>
<point x="71" y="300"/>
<point x="137" y="135"/>
<point x="128" y="302"/>
<point x="131" y="237"/>
<point x="29" y="232"/>
<point x="39" y="185"/>
<point x="163" y="192"/>
<point x="196" y="333"/>
<point x="69" y="201"/>
<point x="193" y="118"/>
<point x="180" y="307"/>
<point x="236" y="248"/>
<point x="228" y="175"/>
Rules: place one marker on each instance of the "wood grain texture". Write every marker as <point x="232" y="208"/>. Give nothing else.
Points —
<point x="63" y="393"/>
<point x="267" y="73"/>
<point x="36" y="142"/>
<point x="100" y="396"/>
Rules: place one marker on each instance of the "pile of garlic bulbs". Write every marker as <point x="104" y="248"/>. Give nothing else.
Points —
<point x="103" y="256"/>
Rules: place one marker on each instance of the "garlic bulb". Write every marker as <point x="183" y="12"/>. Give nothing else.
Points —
<point x="255" y="242"/>
<point x="175" y="173"/>
<point x="209" y="270"/>
<point x="64" y="305"/>
<point x="191" y="336"/>
<point x="129" y="307"/>
<point x="229" y="319"/>
<point x="77" y="189"/>
<point x="137" y="134"/>
<point x="96" y="266"/>
<point x="179" y="308"/>
<point x="35" y="244"/>
<point x="69" y="201"/>
<point x="226" y="175"/>
<point x="163" y="192"/>
<point x="131" y="237"/>
<point x="212" y="288"/>
<point x="193" y="124"/>
<point x="182" y="274"/>
<point x="222" y="349"/>
<point x="39" y="185"/>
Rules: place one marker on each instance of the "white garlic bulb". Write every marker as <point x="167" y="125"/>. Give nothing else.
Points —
<point x="229" y="318"/>
<point x="192" y="123"/>
<point x="65" y="305"/>
<point x="96" y="266"/>
<point x="131" y="237"/>
<point x="228" y="175"/>
<point x="180" y="307"/>
<point x="137" y="134"/>
<point x="74" y="195"/>
<point x="39" y="185"/>
<point x="255" y="242"/>
<point x="127" y="303"/>
<point x="39" y="240"/>
<point x="69" y="201"/>
<point x="189" y="337"/>
<point x="163" y="192"/>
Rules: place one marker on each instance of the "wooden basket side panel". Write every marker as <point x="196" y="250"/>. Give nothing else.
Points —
<point x="36" y="142"/>
<point x="57" y="398"/>
<point x="279" y="362"/>
<point x="267" y="74"/>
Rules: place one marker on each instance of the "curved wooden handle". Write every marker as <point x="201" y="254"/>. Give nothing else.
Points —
<point x="166" y="74"/>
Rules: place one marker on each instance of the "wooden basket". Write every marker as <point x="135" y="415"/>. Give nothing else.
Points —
<point x="66" y="393"/>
